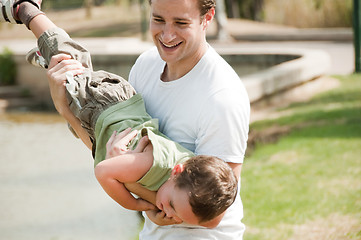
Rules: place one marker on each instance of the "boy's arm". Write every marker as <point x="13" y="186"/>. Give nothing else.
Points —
<point x="127" y="168"/>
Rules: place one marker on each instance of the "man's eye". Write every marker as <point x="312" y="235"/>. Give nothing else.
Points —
<point x="182" y="23"/>
<point x="158" y="20"/>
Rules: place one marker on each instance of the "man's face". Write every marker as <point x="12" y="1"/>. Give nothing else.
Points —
<point x="175" y="203"/>
<point x="177" y="30"/>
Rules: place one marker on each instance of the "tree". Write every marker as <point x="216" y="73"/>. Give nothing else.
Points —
<point x="221" y="21"/>
<point x="88" y="8"/>
<point x="251" y="9"/>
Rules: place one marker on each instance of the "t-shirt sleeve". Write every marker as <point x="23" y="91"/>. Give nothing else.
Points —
<point x="223" y="126"/>
<point x="133" y="72"/>
<point x="140" y="70"/>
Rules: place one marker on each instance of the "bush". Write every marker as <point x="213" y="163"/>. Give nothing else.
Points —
<point x="7" y="68"/>
<point x="72" y="4"/>
<point x="62" y="4"/>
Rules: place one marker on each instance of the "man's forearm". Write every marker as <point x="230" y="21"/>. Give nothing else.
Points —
<point x="237" y="168"/>
<point x="142" y="192"/>
<point x="79" y="130"/>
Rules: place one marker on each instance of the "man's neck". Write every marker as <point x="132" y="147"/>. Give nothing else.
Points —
<point x="174" y="71"/>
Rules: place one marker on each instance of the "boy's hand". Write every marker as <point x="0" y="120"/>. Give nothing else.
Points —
<point x="160" y="218"/>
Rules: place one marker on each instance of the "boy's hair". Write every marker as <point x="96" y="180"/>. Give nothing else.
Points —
<point x="211" y="185"/>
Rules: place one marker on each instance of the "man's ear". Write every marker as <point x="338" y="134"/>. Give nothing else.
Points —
<point x="208" y="17"/>
<point x="177" y="169"/>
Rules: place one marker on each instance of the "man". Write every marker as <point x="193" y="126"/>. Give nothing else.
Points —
<point x="198" y="98"/>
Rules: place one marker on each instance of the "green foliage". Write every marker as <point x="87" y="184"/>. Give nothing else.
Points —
<point x="308" y="179"/>
<point x="318" y="4"/>
<point x="249" y="9"/>
<point x="62" y="4"/>
<point x="309" y="13"/>
<point x="71" y="4"/>
<point x="7" y="68"/>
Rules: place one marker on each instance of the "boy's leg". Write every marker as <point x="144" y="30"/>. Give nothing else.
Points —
<point x="90" y="93"/>
<point x="51" y="40"/>
<point x="28" y="12"/>
<point x="10" y="9"/>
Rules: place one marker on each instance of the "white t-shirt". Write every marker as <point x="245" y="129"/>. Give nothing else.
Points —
<point x="206" y="111"/>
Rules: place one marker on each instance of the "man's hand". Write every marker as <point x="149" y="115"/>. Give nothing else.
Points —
<point x="58" y="66"/>
<point x="118" y="143"/>
<point x="160" y="218"/>
<point x="143" y="205"/>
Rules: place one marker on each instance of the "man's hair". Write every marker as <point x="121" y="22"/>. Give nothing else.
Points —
<point x="211" y="185"/>
<point x="204" y="5"/>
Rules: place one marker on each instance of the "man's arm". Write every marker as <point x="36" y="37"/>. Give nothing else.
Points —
<point x="237" y="168"/>
<point x="59" y="65"/>
<point x="142" y="192"/>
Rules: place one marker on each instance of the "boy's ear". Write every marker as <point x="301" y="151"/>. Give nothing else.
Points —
<point x="177" y="169"/>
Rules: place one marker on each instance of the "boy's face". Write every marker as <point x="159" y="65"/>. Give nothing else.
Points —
<point x="175" y="203"/>
<point x="177" y="30"/>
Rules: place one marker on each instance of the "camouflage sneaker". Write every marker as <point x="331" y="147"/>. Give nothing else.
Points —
<point x="9" y="9"/>
<point x="35" y="58"/>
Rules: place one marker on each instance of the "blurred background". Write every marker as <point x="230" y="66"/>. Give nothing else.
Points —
<point x="306" y="13"/>
<point x="129" y="17"/>
<point x="301" y="176"/>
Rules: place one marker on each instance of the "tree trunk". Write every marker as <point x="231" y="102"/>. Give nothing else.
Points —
<point x="88" y="8"/>
<point x="221" y="21"/>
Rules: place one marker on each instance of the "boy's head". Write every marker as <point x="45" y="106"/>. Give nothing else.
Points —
<point x="198" y="191"/>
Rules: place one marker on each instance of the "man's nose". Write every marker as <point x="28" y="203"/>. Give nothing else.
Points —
<point x="168" y="34"/>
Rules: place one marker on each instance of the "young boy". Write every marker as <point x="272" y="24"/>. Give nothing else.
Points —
<point x="191" y="189"/>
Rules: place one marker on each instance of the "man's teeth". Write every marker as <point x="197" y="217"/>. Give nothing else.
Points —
<point x="170" y="46"/>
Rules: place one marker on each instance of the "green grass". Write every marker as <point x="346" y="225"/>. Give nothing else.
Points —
<point x="307" y="185"/>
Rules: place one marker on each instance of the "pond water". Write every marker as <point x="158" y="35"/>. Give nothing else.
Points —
<point x="47" y="186"/>
<point x="245" y="64"/>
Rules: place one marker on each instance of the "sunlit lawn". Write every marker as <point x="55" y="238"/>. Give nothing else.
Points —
<point x="307" y="185"/>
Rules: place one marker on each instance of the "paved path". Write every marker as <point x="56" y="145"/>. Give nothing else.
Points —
<point x="48" y="189"/>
